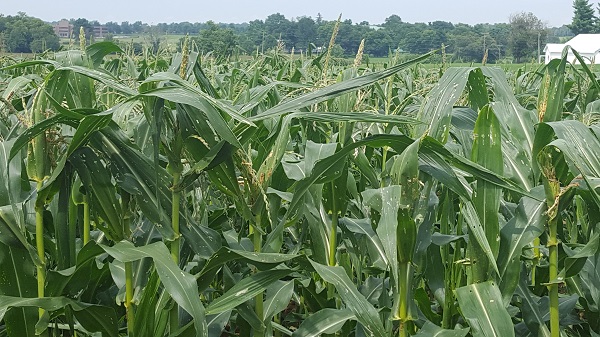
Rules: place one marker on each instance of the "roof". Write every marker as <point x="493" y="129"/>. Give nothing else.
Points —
<point x="554" y="47"/>
<point x="583" y="43"/>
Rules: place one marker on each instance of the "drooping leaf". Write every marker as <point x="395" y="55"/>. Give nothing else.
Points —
<point x="17" y="278"/>
<point x="277" y="298"/>
<point x="179" y="284"/>
<point x="365" y="313"/>
<point x="246" y="289"/>
<point x="92" y="317"/>
<point x="101" y="192"/>
<point x="326" y="321"/>
<point x="483" y="309"/>
<point x="335" y="90"/>
<point x="527" y="224"/>
<point x="432" y="330"/>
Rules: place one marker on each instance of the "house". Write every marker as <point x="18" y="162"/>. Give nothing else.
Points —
<point x="100" y="31"/>
<point x="587" y="45"/>
<point x="63" y="29"/>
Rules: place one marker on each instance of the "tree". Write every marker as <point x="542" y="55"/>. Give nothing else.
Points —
<point x="126" y="27"/>
<point x="392" y="21"/>
<point x="379" y="43"/>
<point x="466" y="44"/>
<point x="253" y="36"/>
<point x="113" y="27"/>
<point x="221" y="41"/>
<point x="87" y="27"/>
<point x="277" y="28"/>
<point x="306" y="32"/>
<point x="137" y="27"/>
<point x="526" y="35"/>
<point x="25" y="34"/>
<point x="584" y="18"/>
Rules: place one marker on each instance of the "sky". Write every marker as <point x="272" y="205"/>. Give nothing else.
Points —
<point x="554" y="12"/>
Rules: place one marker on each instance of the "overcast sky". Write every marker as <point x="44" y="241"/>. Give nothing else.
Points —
<point x="553" y="12"/>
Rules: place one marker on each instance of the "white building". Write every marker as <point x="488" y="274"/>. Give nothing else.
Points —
<point x="587" y="45"/>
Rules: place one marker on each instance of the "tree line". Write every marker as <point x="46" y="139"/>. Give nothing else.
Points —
<point x="518" y="40"/>
<point x="24" y="34"/>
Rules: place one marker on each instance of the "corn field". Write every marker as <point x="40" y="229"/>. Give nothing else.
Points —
<point x="286" y="195"/>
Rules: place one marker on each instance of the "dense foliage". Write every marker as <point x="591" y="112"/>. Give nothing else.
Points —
<point x="585" y="20"/>
<point x="466" y="42"/>
<point x="24" y="34"/>
<point x="283" y="195"/>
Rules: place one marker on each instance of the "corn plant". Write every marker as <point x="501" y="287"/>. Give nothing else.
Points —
<point x="286" y="195"/>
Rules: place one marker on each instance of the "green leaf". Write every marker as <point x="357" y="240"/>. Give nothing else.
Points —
<point x="145" y="315"/>
<point x="80" y="279"/>
<point x="17" y="278"/>
<point x="37" y="130"/>
<point x="97" y="51"/>
<point x="101" y="76"/>
<point x="326" y="321"/>
<point x="102" y="193"/>
<point x="527" y="224"/>
<point x="12" y="234"/>
<point x="532" y="316"/>
<point x="93" y="318"/>
<point x="517" y="122"/>
<point x="365" y="313"/>
<point x="477" y="232"/>
<point x="199" y="96"/>
<point x="579" y="144"/>
<point x="477" y="87"/>
<point x="136" y="174"/>
<point x="87" y="126"/>
<point x="576" y="259"/>
<point x="277" y="299"/>
<point x="183" y="96"/>
<point x="179" y="284"/>
<point x="261" y="260"/>
<point x="484" y="310"/>
<point x="487" y="152"/>
<point x="334" y="90"/>
<point x="551" y="96"/>
<point x="245" y="290"/>
<point x="432" y="330"/>
<point x="405" y="172"/>
<point x="300" y="169"/>
<point x="440" y="101"/>
<point x="363" y="227"/>
<point x="386" y="201"/>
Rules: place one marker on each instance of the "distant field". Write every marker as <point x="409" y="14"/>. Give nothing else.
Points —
<point x="504" y="66"/>
<point x="174" y="39"/>
<point x="135" y="38"/>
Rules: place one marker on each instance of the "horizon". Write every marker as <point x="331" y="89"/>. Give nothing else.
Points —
<point x="554" y="13"/>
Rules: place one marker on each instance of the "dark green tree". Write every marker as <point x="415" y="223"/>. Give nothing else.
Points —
<point x="113" y="27"/>
<point x="87" y="27"/>
<point x="379" y="43"/>
<point x="527" y="33"/>
<point x="25" y="34"/>
<point x="278" y="29"/>
<point x="252" y="39"/>
<point x="221" y="41"/>
<point x="306" y="32"/>
<point x="584" y="18"/>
